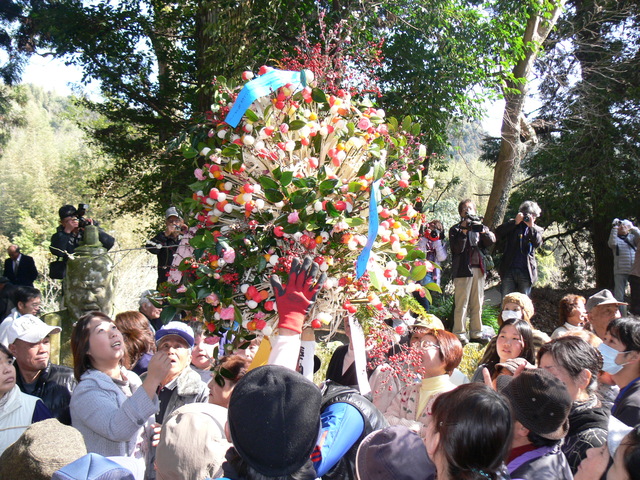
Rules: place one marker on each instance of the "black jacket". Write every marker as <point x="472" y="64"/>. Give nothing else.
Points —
<point x="168" y="247"/>
<point x="53" y="386"/>
<point x="515" y="239"/>
<point x="553" y="465"/>
<point x="461" y="249"/>
<point x="26" y="274"/>
<point x="588" y="426"/>
<point x="63" y="243"/>
<point x="373" y="420"/>
<point x="627" y="406"/>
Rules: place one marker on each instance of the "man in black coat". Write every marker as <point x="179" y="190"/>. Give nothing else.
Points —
<point x="518" y="268"/>
<point x="20" y="269"/>
<point x="29" y="342"/>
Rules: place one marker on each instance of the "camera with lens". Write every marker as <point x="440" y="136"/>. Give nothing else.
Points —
<point x="475" y="223"/>
<point x="433" y="231"/>
<point x="527" y="218"/>
<point x="80" y="213"/>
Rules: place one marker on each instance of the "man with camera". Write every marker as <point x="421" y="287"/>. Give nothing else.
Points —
<point x="469" y="238"/>
<point x="69" y="234"/>
<point x="518" y="268"/>
<point x="431" y="242"/>
<point x="165" y="244"/>
<point x="622" y="240"/>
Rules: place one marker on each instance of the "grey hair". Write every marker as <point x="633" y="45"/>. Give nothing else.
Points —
<point x="530" y="207"/>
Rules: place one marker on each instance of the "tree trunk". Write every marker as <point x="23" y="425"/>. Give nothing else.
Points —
<point x="512" y="147"/>
<point x="603" y="255"/>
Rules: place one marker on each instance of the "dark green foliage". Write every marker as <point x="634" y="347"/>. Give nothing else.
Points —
<point x="588" y="173"/>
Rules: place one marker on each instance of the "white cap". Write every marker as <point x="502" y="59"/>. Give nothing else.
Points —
<point x="172" y="212"/>
<point x="29" y="328"/>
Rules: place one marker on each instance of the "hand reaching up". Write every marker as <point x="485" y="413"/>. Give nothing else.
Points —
<point x="296" y="298"/>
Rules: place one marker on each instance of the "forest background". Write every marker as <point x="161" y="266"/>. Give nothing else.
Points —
<point x="576" y="153"/>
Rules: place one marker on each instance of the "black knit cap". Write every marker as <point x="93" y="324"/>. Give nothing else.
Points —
<point x="540" y="402"/>
<point x="274" y="419"/>
<point x="67" y="211"/>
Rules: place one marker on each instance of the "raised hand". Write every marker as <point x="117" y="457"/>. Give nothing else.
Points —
<point x="296" y="297"/>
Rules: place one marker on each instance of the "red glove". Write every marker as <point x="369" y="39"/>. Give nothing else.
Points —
<point x="295" y="299"/>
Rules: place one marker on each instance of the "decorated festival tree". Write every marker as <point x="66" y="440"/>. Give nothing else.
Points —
<point x="291" y="171"/>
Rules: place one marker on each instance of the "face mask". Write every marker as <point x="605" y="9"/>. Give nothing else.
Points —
<point x="609" y="356"/>
<point x="509" y="314"/>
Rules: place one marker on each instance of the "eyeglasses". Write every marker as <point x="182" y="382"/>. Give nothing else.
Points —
<point x="8" y="361"/>
<point x="425" y="344"/>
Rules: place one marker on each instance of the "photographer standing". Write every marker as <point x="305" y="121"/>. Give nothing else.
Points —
<point x="622" y="241"/>
<point x="518" y="268"/>
<point x="165" y="244"/>
<point x="431" y="242"/>
<point x="70" y="232"/>
<point x="467" y="238"/>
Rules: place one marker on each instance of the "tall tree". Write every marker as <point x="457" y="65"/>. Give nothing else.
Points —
<point x="517" y="135"/>
<point x="587" y="173"/>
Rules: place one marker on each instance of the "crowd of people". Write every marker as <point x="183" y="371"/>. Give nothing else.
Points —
<point x="147" y="399"/>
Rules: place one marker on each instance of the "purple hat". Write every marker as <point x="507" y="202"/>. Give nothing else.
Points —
<point x="394" y="453"/>
<point x="176" y="328"/>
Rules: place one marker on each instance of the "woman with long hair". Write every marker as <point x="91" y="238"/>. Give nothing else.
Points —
<point x="470" y="433"/>
<point x="138" y="339"/>
<point x="110" y="406"/>
<point x="577" y="364"/>
<point x="514" y="340"/>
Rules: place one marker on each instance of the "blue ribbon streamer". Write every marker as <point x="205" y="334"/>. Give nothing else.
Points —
<point x="259" y="87"/>
<point x="374" y="223"/>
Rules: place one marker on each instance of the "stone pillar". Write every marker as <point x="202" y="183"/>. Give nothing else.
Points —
<point x="88" y="287"/>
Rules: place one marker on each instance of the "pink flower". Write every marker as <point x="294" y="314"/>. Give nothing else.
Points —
<point x="227" y="313"/>
<point x="293" y="217"/>
<point x="364" y="123"/>
<point x="278" y="231"/>
<point x="229" y="255"/>
<point x="181" y="289"/>
<point x="284" y="128"/>
<point x="198" y="174"/>
<point x="212" y="299"/>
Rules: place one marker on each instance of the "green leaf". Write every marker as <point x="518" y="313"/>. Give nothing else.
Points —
<point x="297" y="124"/>
<point x="277" y="173"/>
<point x="406" y="124"/>
<point x="331" y="210"/>
<point x="415" y="129"/>
<point x="268" y="182"/>
<point x="375" y="280"/>
<point x="378" y="171"/>
<point x="402" y="271"/>
<point x="318" y="96"/>
<point x="415" y="254"/>
<point x="189" y="152"/>
<point x="230" y="151"/>
<point x="167" y="314"/>
<point x="418" y="272"/>
<point x="364" y="169"/>
<point x="286" y="178"/>
<point x="354" y="221"/>
<point x="433" y="286"/>
<point x="428" y="296"/>
<point x="273" y="195"/>
<point x="202" y="293"/>
<point x="328" y="185"/>
<point x="251" y="116"/>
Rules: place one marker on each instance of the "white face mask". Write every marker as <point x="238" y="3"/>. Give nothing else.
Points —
<point x="509" y="314"/>
<point x="609" y="355"/>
